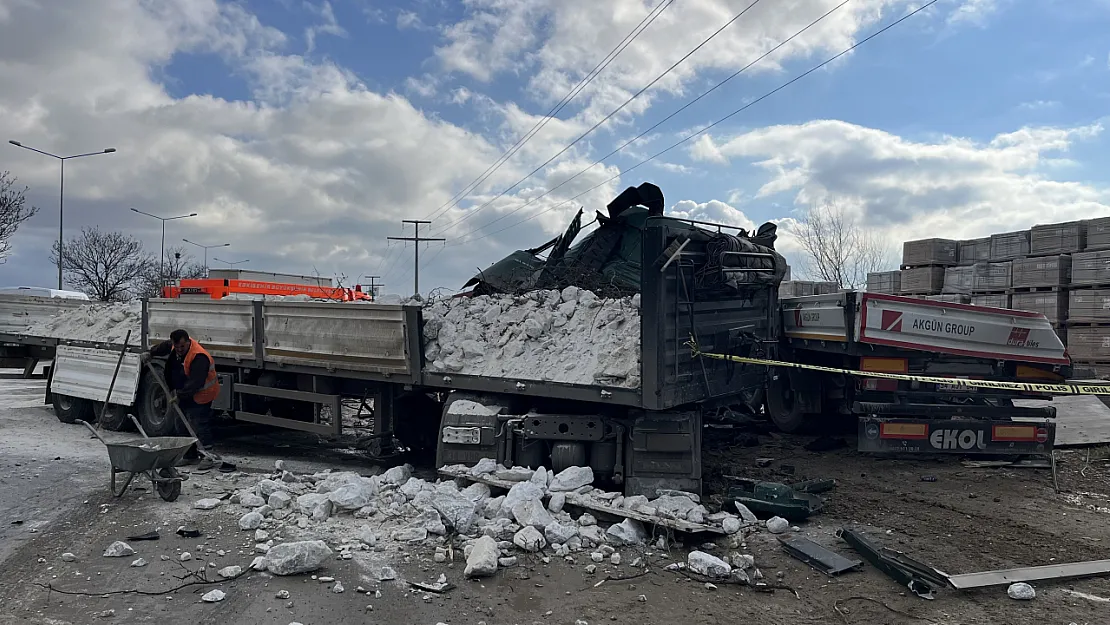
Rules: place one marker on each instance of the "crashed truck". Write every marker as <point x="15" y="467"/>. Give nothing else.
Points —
<point x="293" y="364"/>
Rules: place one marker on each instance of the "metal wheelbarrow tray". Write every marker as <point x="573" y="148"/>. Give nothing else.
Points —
<point x="155" y="457"/>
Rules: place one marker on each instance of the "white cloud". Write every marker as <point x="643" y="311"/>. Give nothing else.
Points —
<point x="410" y="20"/>
<point x="973" y="11"/>
<point x="952" y="186"/>
<point x="714" y="211"/>
<point x="328" y="25"/>
<point x="1038" y="105"/>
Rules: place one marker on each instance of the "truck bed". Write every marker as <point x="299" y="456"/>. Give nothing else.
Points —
<point x="853" y="319"/>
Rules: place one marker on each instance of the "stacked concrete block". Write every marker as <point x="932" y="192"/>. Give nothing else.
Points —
<point x="1065" y="238"/>
<point x="958" y="280"/>
<point x="974" y="251"/>
<point x="923" y="280"/>
<point x="1043" y="271"/>
<point x="1098" y="234"/>
<point x="990" y="277"/>
<point x="1052" y="304"/>
<point x="926" y="252"/>
<point x="992" y="300"/>
<point x="1089" y="306"/>
<point x="1089" y="344"/>
<point x="951" y="298"/>
<point x="1010" y="245"/>
<point x="889" y="282"/>
<point x="1091" y="268"/>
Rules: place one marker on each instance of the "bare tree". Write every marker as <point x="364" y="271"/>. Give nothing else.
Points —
<point x="178" y="264"/>
<point x="13" y="212"/>
<point x="107" y="266"/>
<point x="838" y="248"/>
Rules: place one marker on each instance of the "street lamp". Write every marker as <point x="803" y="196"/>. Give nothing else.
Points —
<point x="162" y="249"/>
<point x="206" y="248"/>
<point x="61" y="190"/>
<point x="231" y="264"/>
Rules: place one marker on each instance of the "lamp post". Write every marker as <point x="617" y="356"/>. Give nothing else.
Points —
<point x="162" y="249"/>
<point x="231" y="264"/>
<point x="206" y="248"/>
<point x="61" y="190"/>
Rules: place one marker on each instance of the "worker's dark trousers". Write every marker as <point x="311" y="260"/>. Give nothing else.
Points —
<point x="200" y="415"/>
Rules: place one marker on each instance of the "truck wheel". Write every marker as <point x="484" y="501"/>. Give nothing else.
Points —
<point x="115" y="417"/>
<point x="782" y="406"/>
<point x="70" y="409"/>
<point x="151" y="408"/>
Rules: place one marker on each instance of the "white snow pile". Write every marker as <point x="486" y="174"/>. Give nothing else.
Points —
<point x="569" y="336"/>
<point x="99" y="322"/>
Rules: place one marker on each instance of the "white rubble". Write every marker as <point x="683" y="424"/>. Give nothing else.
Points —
<point x="557" y="502"/>
<point x="482" y="561"/>
<point x="777" y="525"/>
<point x="529" y="539"/>
<point x="279" y="500"/>
<point x="746" y="515"/>
<point x="297" y="557"/>
<point x="213" y="596"/>
<point x="627" y="532"/>
<point x="138" y="562"/>
<point x="571" y="478"/>
<point x="251" y="500"/>
<point x="557" y="533"/>
<point x="118" y="549"/>
<point x="94" y="322"/>
<point x="68" y="557"/>
<point x="532" y="513"/>
<point x="1021" y="591"/>
<point x="570" y="336"/>
<point x="207" y="504"/>
<point x="250" y="521"/>
<point x="229" y="572"/>
<point x="708" y="565"/>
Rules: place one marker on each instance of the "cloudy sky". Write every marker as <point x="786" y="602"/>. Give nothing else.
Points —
<point x="303" y="131"/>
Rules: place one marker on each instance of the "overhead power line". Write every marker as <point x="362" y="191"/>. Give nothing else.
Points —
<point x="555" y="110"/>
<point x="474" y="211"/>
<point x="682" y="141"/>
<point x="417" y="239"/>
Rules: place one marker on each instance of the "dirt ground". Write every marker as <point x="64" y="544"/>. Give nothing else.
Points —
<point x="968" y="519"/>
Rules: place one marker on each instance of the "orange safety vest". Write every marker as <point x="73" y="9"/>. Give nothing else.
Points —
<point x="211" y="389"/>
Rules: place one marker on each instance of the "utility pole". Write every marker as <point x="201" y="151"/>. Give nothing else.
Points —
<point x="374" y="284"/>
<point x="416" y="238"/>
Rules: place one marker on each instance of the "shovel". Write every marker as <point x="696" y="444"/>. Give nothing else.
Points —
<point x="225" y="467"/>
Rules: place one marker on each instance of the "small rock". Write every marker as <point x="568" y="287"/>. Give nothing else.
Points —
<point x="615" y="559"/>
<point x="591" y="569"/>
<point x="258" y="564"/>
<point x="250" y="521"/>
<point x="138" y="563"/>
<point x="106" y="614"/>
<point x="213" y="596"/>
<point x="529" y="539"/>
<point x="68" y="557"/>
<point x="777" y="525"/>
<point x="297" y="557"/>
<point x="337" y="588"/>
<point x="627" y="532"/>
<point x="708" y="565"/>
<point x="597" y="556"/>
<point x="556" y="503"/>
<point x="387" y="574"/>
<point x="483" y="558"/>
<point x="731" y="525"/>
<point x="229" y="572"/>
<point x="118" y="549"/>
<point x="587" y="520"/>
<point x="1021" y="591"/>
<point x="507" y="562"/>
<point x="207" y="504"/>
<point x="571" y="478"/>
<point x="710" y="586"/>
<point x="261" y="536"/>
<point x="746" y="515"/>
<point x="282" y="594"/>
<point x="164" y="558"/>
<point x="250" y="500"/>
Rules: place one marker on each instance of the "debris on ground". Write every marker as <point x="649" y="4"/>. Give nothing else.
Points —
<point x="777" y="525"/>
<point x="118" y="549"/>
<point x="230" y="572"/>
<point x="207" y="504"/>
<point x="138" y="563"/>
<point x="213" y="596"/>
<point x="1021" y="591"/>
<point x="297" y="557"/>
<point x="68" y="557"/>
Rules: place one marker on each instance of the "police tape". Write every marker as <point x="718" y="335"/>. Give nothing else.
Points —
<point x="1051" y="389"/>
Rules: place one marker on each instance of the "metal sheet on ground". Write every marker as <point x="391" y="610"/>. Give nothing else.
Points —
<point x="1080" y="419"/>
<point x="585" y="504"/>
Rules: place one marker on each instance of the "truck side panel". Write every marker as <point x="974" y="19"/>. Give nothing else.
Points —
<point x="224" y="328"/>
<point x="86" y="372"/>
<point x="19" y="311"/>
<point x="355" y="337"/>
<point x="672" y="312"/>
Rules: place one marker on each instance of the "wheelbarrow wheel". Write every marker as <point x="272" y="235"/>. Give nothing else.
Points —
<point x="169" y="490"/>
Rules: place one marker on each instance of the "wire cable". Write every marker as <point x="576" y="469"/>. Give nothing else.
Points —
<point x="472" y="212"/>
<point x="555" y="110"/>
<point x="461" y="241"/>
<point x="664" y="120"/>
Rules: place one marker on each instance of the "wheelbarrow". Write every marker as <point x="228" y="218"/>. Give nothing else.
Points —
<point x="156" y="457"/>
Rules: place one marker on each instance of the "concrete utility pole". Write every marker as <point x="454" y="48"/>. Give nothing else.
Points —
<point x="416" y="238"/>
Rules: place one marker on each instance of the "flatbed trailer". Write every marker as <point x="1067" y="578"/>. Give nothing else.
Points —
<point x="19" y="350"/>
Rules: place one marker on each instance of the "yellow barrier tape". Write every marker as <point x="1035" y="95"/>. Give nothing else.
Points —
<point x="1051" y="389"/>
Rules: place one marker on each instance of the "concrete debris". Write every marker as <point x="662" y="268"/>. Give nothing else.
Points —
<point x="597" y="556"/>
<point x="316" y="506"/>
<point x="1021" y="591"/>
<point x="409" y="534"/>
<point x="213" y="596"/>
<point x="592" y="535"/>
<point x="627" y="532"/>
<point x="482" y="560"/>
<point x="476" y="492"/>
<point x="615" y="559"/>
<point x="261" y="535"/>
<point x="185" y="556"/>
<point x="367" y="536"/>
<point x="118" y="549"/>
<point x="556" y="503"/>
<point x="250" y="500"/>
<point x="458" y="511"/>
<point x="746" y="515"/>
<point x="777" y="525"/>
<point x="387" y="574"/>
<point x="515" y="474"/>
<point x="532" y="513"/>
<point x="250" y="521"/>
<point x="268" y="487"/>
<point x="397" y="475"/>
<point x="259" y="564"/>
<point x="297" y="557"/>
<point x="731" y="525"/>
<point x="519" y="493"/>
<point x="106" y="614"/>
<point x="138" y="562"/>
<point x="353" y="495"/>
<point x="710" y="586"/>
<point x="570" y="479"/>
<point x="337" y="588"/>
<point x="207" y="504"/>
<point x="282" y="594"/>
<point x="229" y="572"/>
<point x="742" y="561"/>
<point x="559" y="533"/>
<point x="68" y="557"/>
<point x="529" y="539"/>
<point x="591" y="568"/>
<point x="429" y="520"/>
<point x="587" y="520"/>
<point x="485" y="466"/>
<point x="707" y="565"/>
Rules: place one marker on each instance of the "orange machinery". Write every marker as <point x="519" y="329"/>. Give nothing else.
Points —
<point x="218" y="288"/>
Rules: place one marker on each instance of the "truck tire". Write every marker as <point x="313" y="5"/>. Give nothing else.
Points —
<point x="783" y="409"/>
<point x="151" y="408"/>
<point x="71" y="409"/>
<point x="116" y="418"/>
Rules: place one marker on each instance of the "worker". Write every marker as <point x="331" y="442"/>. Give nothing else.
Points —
<point x="191" y="376"/>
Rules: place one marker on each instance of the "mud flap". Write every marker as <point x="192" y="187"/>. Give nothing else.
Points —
<point x="665" y="453"/>
<point x="468" y="430"/>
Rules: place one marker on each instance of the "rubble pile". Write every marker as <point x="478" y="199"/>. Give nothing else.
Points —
<point x="298" y="522"/>
<point x="569" y="336"/>
<point x="100" y="323"/>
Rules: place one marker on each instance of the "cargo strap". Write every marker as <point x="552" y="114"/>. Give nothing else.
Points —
<point x="1035" y="387"/>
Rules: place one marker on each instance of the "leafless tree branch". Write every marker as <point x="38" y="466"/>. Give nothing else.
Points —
<point x="13" y="212"/>
<point x="108" y="266"/>
<point x="838" y="248"/>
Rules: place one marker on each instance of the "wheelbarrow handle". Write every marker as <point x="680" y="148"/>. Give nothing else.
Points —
<point x="92" y="429"/>
<point x="138" y="425"/>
